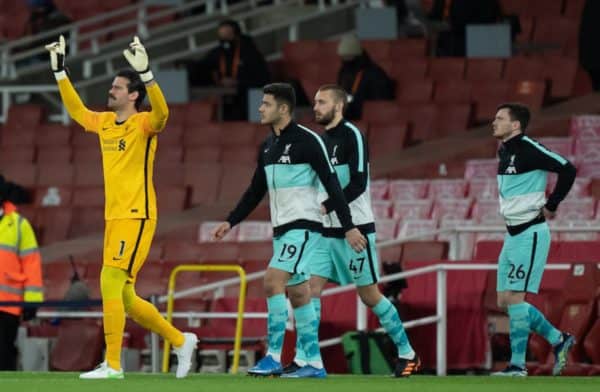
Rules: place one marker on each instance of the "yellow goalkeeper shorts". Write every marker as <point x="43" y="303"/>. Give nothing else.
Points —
<point x="127" y="243"/>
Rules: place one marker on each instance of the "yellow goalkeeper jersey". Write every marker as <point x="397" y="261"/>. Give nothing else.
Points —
<point x="128" y="150"/>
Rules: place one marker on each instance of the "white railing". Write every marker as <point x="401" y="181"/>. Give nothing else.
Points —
<point x="8" y="59"/>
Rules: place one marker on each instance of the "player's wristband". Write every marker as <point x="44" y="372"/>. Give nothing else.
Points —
<point x="146" y="76"/>
<point x="60" y="75"/>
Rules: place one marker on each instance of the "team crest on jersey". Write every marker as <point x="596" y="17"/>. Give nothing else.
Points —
<point x="334" y="160"/>
<point x="511" y="169"/>
<point x="285" y="157"/>
<point x="122" y="145"/>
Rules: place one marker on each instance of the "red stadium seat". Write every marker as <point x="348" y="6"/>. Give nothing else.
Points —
<point x="255" y="252"/>
<point x="411" y="227"/>
<point x="409" y="70"/>
<point x="555" y="30"/>
<point x="587" y="149"/>
<point x="54" y="223"/>
<point x="86" y="220"/>
<point x="380" y="111"/>
<point x="53" y="196"/>
<point x="404" y="49"/>
<point x="237" y="133"/>
<point x="78" y="346"/>
<point x="172" y="135"/>
<point x="171" y="199"/>
<point x="89" y="174"/>
<point x="414" y="91"/>
<point x="243" y="154"/>
<point x="387" y="139"/>
<point x="23" y="117"/>
<point x="448" y="188"/>
<point x="54" y="155"/>
<point x="447" y="68"/>
<point x="527" y="25"/>
<point x="379" y="189"/>
<point x="386" y="229"/>
<point x="301" y="51"/>
<point x="544" y="7"/>
<point x="452" y="119"/>
<point x="89" y="196"/>
<point x="52" y="135"/>
<point x="561" y="71"/>
<point x="424" y="251"/>
<point x="378" y="50"/>
<point x="408" y="189"/>
<point x="198" y="114"/>
<point x="20" y="173"/>
<point x="486" y="96"/>
<point x="412" y="209"/>
<point x="483" y="189"/>
<point x="560" y="145"/>
<point x="421" y="119"/>
<point x="381" y="208"/>
<point x="16" y="154"/>
<point x="203" y="135"/>
<point x="55" y="174"/>
<point x="168" y="155"/>
<point x="530" y="92"/>
<point x="574" y="8"/>
<point x="482" y="70"/>
<point x="446" y="208"/>
<point x="578" y="209"/>
<point x="481" y="168"/>
<point x="86" y="155"/>
<point x="452" y="91"/>
<point x="589" y="169"/>
<point x="487" y="211"/>
<point x="168" y="175"/>
<point x="524" y="68"/>
<point x="235" y="180"/>
<point x="204" y="180"/>
<point x="202" y="154"/>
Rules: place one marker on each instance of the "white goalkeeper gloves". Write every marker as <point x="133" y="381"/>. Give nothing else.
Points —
<point x="138" y="59"/>
<point x="57" y="57"/>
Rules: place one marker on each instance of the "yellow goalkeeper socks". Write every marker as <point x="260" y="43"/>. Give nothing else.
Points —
<point x="146" y="315"/>
<point x="112" y="281"/>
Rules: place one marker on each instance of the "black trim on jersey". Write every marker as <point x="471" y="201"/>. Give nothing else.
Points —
<point x="338" y="232"/>
<point x="533" y="248"/>
<point x="518" y="229"/>
<point x="301" y="252"/>
<point x="137" y="244"/>
<point x="371" y="265"/>
<point x="146" y="158"/>
<point x="301" y="224"/>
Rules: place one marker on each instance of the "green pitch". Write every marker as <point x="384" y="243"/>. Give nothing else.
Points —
<point x="137" y="382"/>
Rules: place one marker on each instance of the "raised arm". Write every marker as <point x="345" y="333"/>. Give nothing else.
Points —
<point x="88" y="119"/>
<point x="137" y="57"/>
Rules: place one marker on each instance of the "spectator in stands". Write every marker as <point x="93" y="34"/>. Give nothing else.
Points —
<point x="361" y="77"/>
<point x="20" y="271"/>
<point x="292" y="166"/>
<point x="336" y="260"/>
<point x="589" y="55"/>
<point x="522" y="171"/>
<point x="128" y="143"/>
<point x="236" y="62"/>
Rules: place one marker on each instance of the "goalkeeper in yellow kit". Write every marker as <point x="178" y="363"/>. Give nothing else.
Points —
<point x="128" y="143"/>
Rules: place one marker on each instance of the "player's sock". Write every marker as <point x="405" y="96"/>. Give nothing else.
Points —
<point x="308" y="331"/>
<point x="278" y="315"/>
<point x="300" y="357"/>
<point x="112" y="281"/>
<point x="519" y="332"/>
<point x="390" y="320"/>
<point x="542" y="326"/>
<point x="146" y="315"/>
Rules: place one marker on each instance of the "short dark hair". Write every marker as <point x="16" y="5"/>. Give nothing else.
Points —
<point x="338" y="92"/>
<point x="517" y="112"/>
<point x="283" y="94"/>
<point x="237" y="30"/>
<point x="135" y="84"/>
